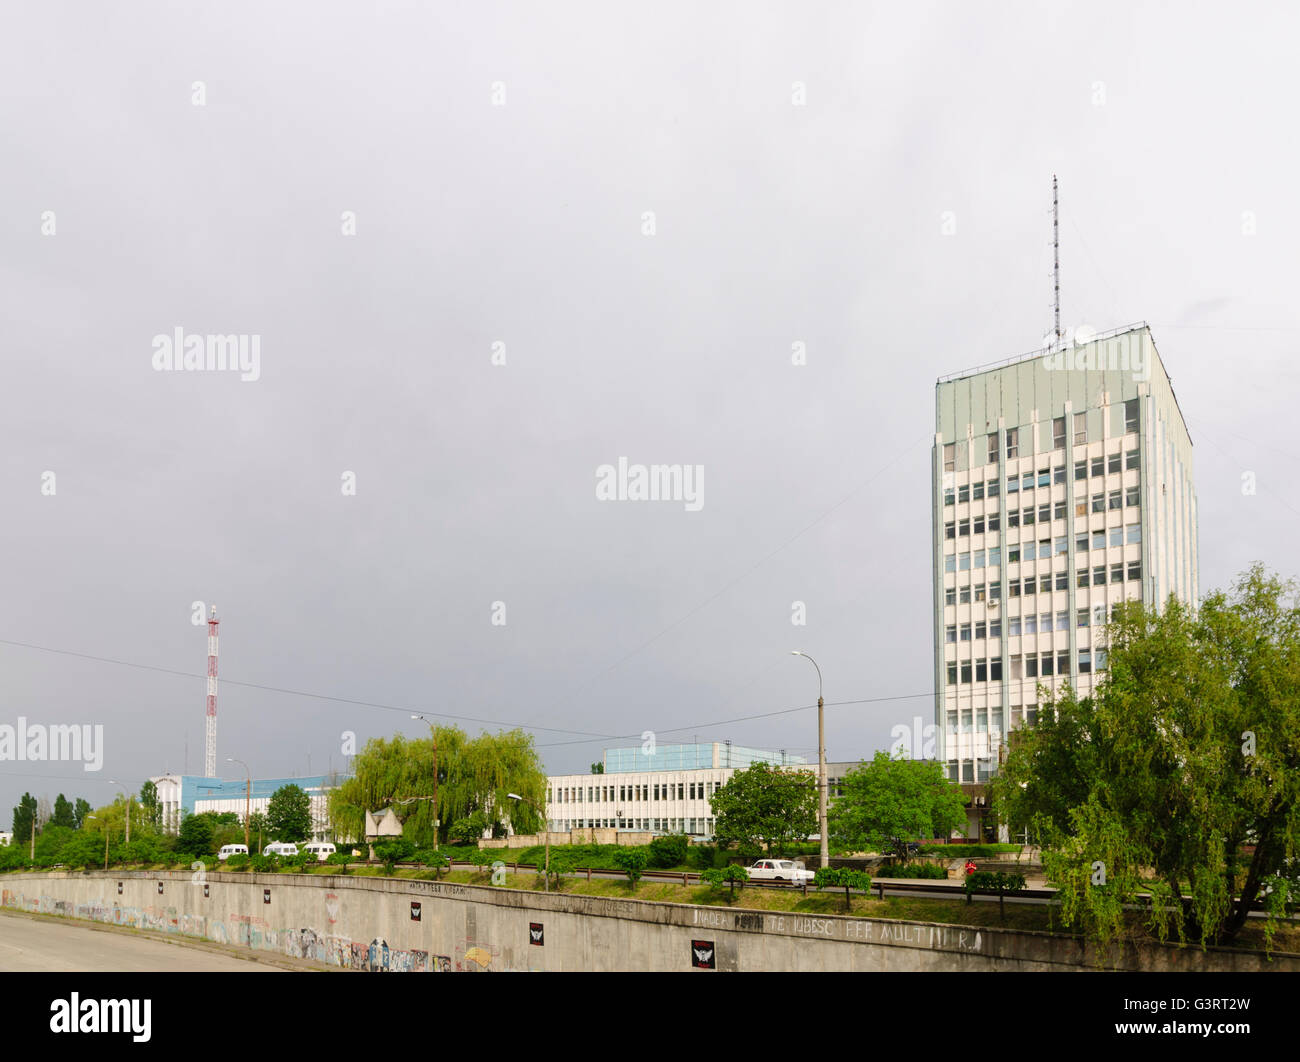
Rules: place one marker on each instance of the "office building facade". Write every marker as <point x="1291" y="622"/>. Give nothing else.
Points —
<point x="1062" y="485"/>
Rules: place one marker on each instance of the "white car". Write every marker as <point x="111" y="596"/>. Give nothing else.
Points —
<point x="322" y="850"/>
<point x="227" y="850"/>
<point x="281" y="848"/>
<point x="780" y="870"/>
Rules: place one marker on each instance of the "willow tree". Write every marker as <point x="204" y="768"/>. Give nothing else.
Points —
<point x="474" y="779"/>
<point x="1180" y="777"/>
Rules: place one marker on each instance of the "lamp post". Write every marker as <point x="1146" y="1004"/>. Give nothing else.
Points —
<point x="434" y="736"/>
<point x="248" y="793"/>
<point x="821" y="760"/>
<point x="546" y="874"/>
<point x="125" y="796"/>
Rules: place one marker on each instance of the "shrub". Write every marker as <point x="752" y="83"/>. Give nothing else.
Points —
<point x="994" y="881"/>
<point x="668" y="851"/>
<point x="340" y="860"/>
<point x="914" y="870"/>
<point x="264" y="864"/>
<point x="832" y="877"/>
<point x="632" y="860"/>
<point x="238" y="861"/>
<point x="719" y="878"/>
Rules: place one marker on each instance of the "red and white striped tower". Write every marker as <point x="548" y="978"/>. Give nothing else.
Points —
<point x="210" y="743"/>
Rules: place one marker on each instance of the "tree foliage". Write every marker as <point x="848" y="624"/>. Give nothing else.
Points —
<point x="288" y="814"/>
<point x="474" y="779"/>
<point x="765" y="807"/>
<point x="1188" y="760"/>
<point x="150" y="804"/>
<point x="844" y="877"/>
<point x="23" y="818"/>
<point x="64" y="813"/>
<point x="887" y="803"/>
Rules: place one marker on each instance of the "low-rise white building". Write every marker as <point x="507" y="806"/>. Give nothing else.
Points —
<point x="662" y="789"/>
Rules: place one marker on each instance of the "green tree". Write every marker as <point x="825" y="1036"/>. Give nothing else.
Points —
<point x="721" y="878"/>
<point x="197" y="835"/>
<point x="24" y="817"/>
<point x="64" y="813"/>
<point x="631" y="860"/>
<point x="598" y="768"/>
<point x="474" y="780"/>
<point x="288" y="814"/>
<point x="1190" y="756"/>
<point x="80" y="811"/>
<point x="151" y="804"/>
<point x="257" y="831"/>
<point x="765" y="807"/>
<point x="845" y="878"/>
<point x="886" y="803"/>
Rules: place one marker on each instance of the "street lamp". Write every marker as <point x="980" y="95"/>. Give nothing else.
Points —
<point x="248" y="793"/>
<point x="127" y="798"/>
<point x="821" y="759"/>
<point x="546" y="873"/>
<point x="434" y="736"/>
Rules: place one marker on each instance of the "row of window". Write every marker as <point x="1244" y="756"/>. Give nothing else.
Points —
<point x="1028" y="665"/>
<point x="606" y="793"/>
<point x="1029" y="623"/>
<point x="692" y="826"/>
<point x="971" y="492"/>
<point x="1045" y="584"/>
<point x="1131" y="424"/>
<point x="981" y="592"/>
<point x="1100" y="502"/>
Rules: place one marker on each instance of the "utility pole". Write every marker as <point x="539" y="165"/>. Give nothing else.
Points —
<point x="1056" y="260"/>
<point x="821" y="762"/>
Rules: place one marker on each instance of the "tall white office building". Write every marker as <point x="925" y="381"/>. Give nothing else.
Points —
<point x="1062" y="485"/>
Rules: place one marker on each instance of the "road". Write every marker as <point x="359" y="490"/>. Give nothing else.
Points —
<point x="47" y="945"/>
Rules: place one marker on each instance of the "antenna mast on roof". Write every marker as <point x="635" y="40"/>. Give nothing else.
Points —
<point x="1056" y="259"/>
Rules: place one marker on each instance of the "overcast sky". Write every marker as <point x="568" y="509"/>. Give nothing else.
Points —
<point x="801" y="162"/>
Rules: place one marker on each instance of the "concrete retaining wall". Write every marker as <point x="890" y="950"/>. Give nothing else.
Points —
<point x="394" y="924"/>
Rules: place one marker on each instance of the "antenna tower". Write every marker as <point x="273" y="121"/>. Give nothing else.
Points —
<point x="210" y="734"/>
<point x="1056" y="260"/>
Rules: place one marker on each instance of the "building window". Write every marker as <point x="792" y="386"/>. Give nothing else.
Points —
<point x="1045" y="513"/>
<point x="977" y="490"/>
<point x="964" y="595"/>
<point x="1117" y="572"/>
<point x="1013" y="485"/>
<point x="1058" y="511"/>
<point x="1099" y="503"/>
<point x="1027" y="516"/>
<point x="950" y="563"/>
<point x="1013" y="627"/>
<point x="1063" y="620"/>
<point x="965" y="671"/>
<point x="1060" y="545"/>
<point x="1135" y="569"/>
<point x="1058" y="474"/>
<point x="1058" y="433"/>
<point x="1063" y="662"/>
<point x="1080" y="428"/>
<point x="1081" y="508"/>
<point x="979" y="592"/>
<point x="1063" y="580"/>
<point x="950" y="457"/>
<point x="993" y="448"/>
<point x="1081" y="617"/>
<point x="1099" y="540"/>
<point x="967" y="771"/>
<point x="963" y="527"/>
<point x="1133" y="533"/>
<point x="995" y="556"/>
<point x="1132" y="460"/>
<point x="995" y="669"/>
<point x="1101" y="660"/>
<point x="949" y="530"/>
<point x="1013" y="518"/>
<point x="1098" y="465"/>
<point x="1013" y="442"/>
<point x="1082" y="579"/>
<point x="952" y="674"/>
<point x="949" y="596"/>
<point x="1116" y="499"/>
<point x="995" y="522"/>
<point x="1132" y="496"/>
<point x="1031" y="715"/>
<point x="993" y="486"/>
<point x="995" y="591"/>
<point x="978" y="525"/>
<point x="1031" y="666"/>
<point x="1013" y="553"/>
<point x="1017" y="667"/>
<point x="963" y="492"/>
<point x="1085" y="661"/>
<point x="1031" y="623"/>
<point x="979" y="558"/>
<point x="1131" y="415"/>
<point x="979" y="629"/>
<point x="1013" y="588"/>
<point x="981" y="670"/>
<point x="1045" y="584"/>
<point x="1113" y="462"/>
<point x="949" y="496"/>
<point x="1031" y="586"/>
<point x="1098" y="615"/>
<point x="1045" y="664"/>
<point x="1044" y="548"/>
<point x="1027" y="481"/>
<point x="1081" y="469"/>
<point x="963" y="563"/>
<point x="995" y="627"/>
<point x="1044" y="477"/>
<point x="1081" y="543"/>
<point x="965" y="632"/>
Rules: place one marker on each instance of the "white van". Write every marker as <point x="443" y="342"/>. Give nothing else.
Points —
<point x="281" y="848"/>
<point x="322" y="850"/>
<point x="227" y="850"/>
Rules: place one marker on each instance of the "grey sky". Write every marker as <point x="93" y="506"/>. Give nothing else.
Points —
<point x="775" y="224"/>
